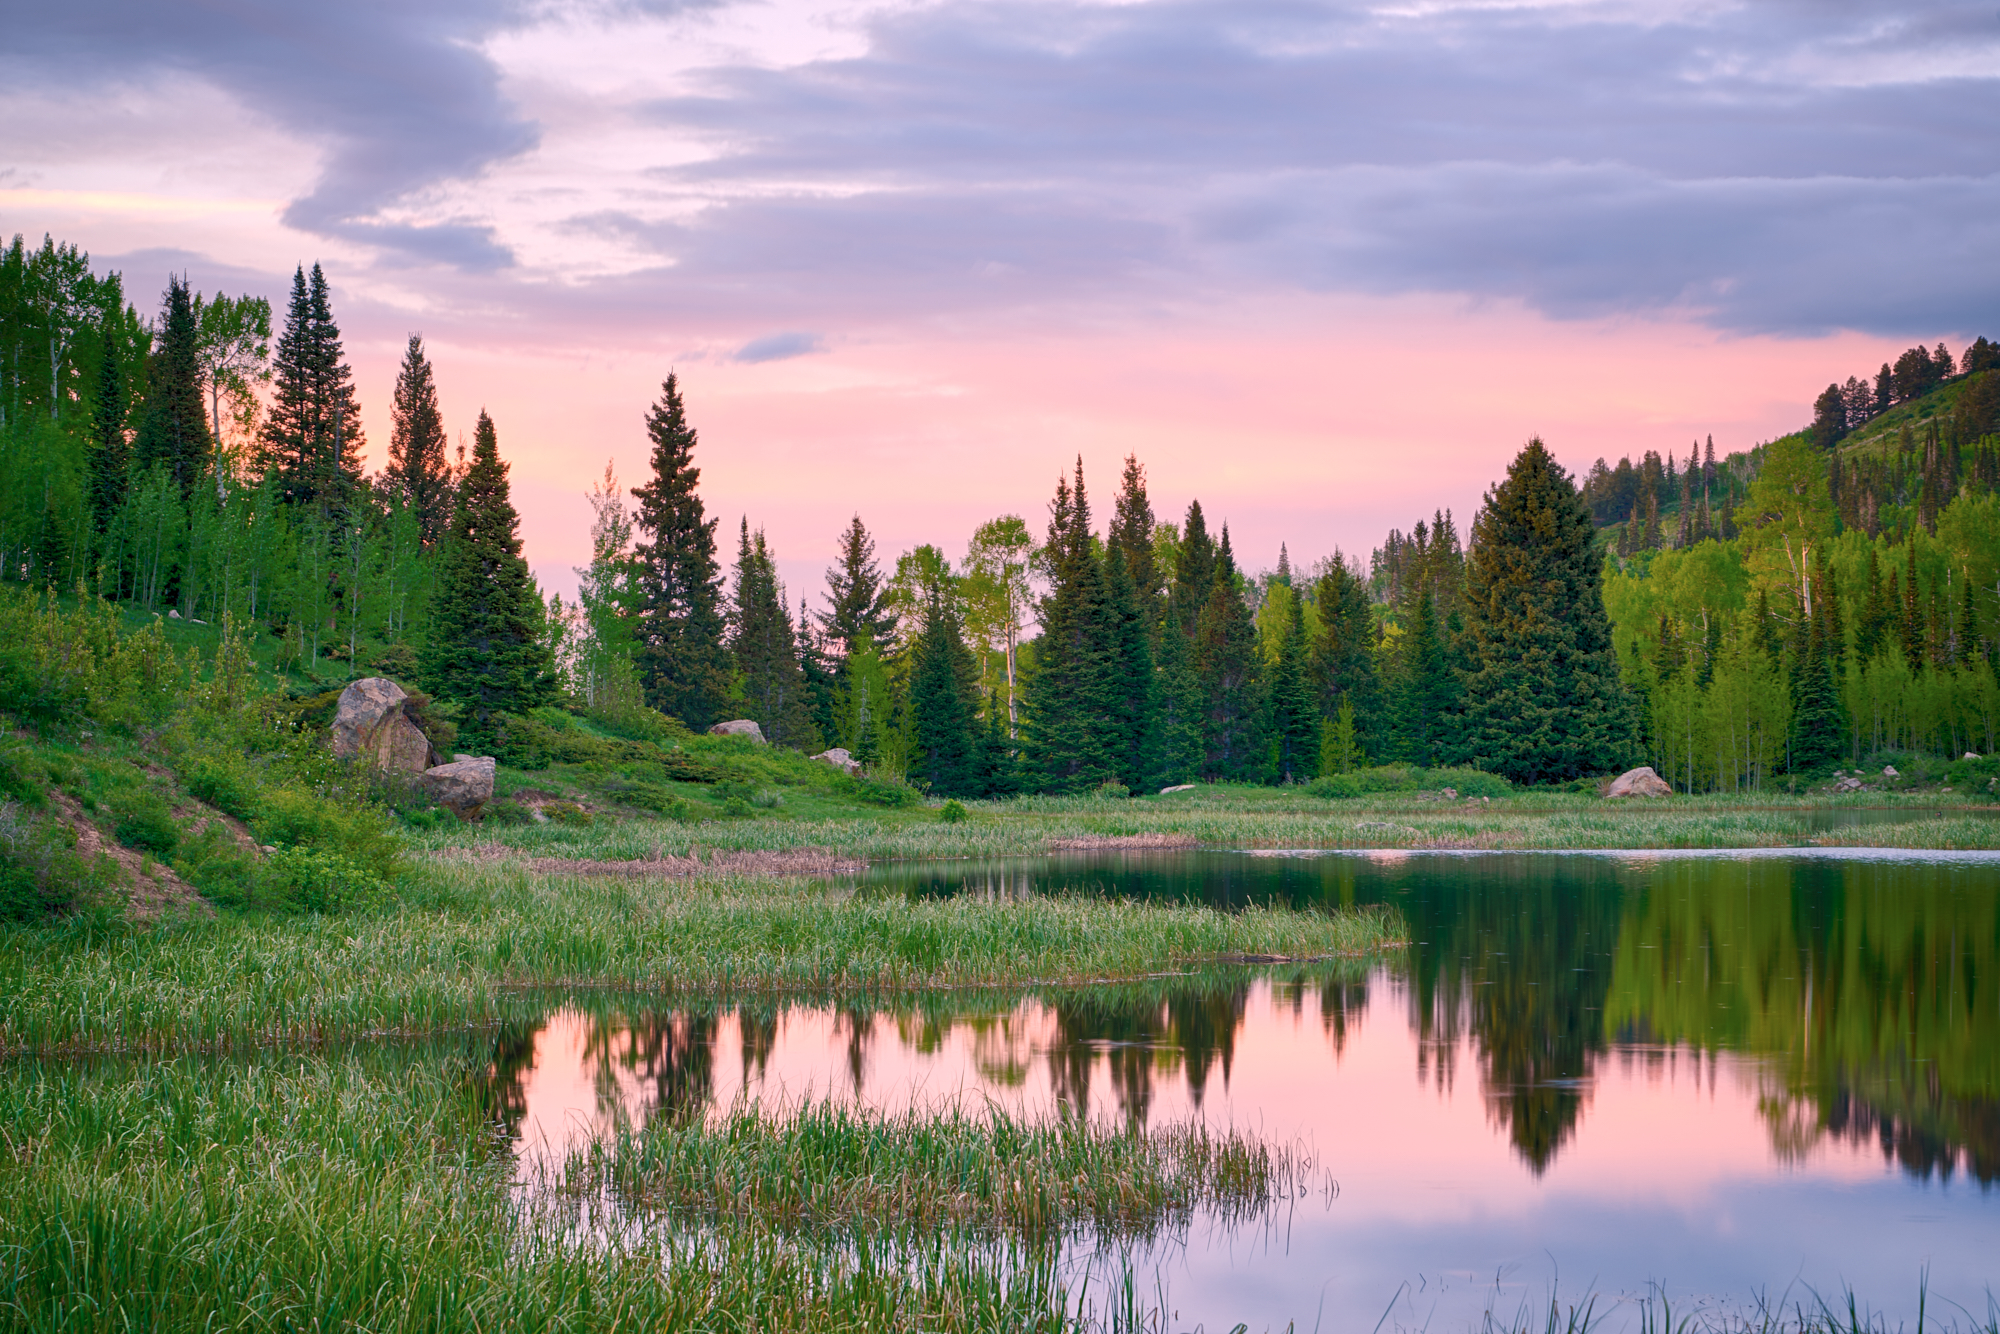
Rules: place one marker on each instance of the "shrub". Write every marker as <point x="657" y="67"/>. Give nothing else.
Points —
<point x="225" y="782"/>
<point x="1980" y="775"/>
<point x="953" y="812"/>
<point x="881" y="792"/>
<point x="144" y="822"/>
<point x="650" y="797"/>
<point x="1110" y="790"/>
<point x="293" y="816"/>
<point x="764" y="799"/>
<point x="42" y="875"/>
<point x="320" y="881"/>
<point x="1397" y="778"/>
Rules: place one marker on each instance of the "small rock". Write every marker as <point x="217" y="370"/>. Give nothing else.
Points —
<point x="1178" y="787"/>
<point x="1848" y="784"/>
<point x="1970" y="756"/>
<point x="1889" y="771"/>
<point x="268" y="848"/>
<point x="839" y="759"/>
<point x="462" y="787"/>
<point x="173" y="615"/>
<point x="739" y="727"/>
<point x="1640" y="782"/>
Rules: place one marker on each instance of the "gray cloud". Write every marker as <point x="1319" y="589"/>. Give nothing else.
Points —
<point x="778" y="347"/>
<point x="393" y="89"/>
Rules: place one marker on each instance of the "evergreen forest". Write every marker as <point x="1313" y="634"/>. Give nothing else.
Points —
<point x="1765" y="617"/>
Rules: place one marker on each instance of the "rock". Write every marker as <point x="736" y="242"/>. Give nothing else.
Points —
<point x="1178" y="787"/>
<point x="1640" y="782"/>
<point x="839" y="759"/>
<point x="1889" y="771"/>
<point x="368" y="724"/>
<point x="462" y="787"/>
<point x="173" y="615"/>
<point x="739" y="727"/>
<point x="1970" y="756"/>
<point x="1848" y="784"/>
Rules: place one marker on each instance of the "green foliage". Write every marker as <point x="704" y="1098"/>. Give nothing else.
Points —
<point x="1227" y="663"/>
<point x="485" y="650"/>
<point x="42" y="876"/>
<point x="767" y="650"/>
<point x="678" y="582"/>
<point x="145" y="822"/>
<point x="882" y="792"/>
<point x="311" y="441"/>
<point x="1389" y="779"/>
<point x="944" y="701"/>
<point x="953" y="812"/>
<point x="320" y="881"/>
<point x="1072" y="697"/>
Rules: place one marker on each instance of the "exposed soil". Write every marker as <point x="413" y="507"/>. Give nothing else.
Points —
<point x="795" y="861"/>
<point x="152" y="888"/>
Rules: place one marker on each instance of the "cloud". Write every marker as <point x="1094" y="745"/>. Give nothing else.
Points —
<point x="778" y="347"/>
<point x="398" y="94"/>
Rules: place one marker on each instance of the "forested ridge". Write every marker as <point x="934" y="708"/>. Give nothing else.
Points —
<point x="1771" y="614"/>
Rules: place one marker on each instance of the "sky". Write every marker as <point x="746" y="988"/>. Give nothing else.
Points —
<point x="1324" y="266"/>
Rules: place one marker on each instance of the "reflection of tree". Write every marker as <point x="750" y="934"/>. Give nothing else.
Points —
<point x="858" y="1022"/>
<point x="1873" y="986"/>
<point x="673" y="1053"/>
<point x="758" y="1028"/>
<point x="503" y="1090"/>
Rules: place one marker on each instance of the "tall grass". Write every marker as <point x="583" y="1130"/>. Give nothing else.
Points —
<point x="478" y="938"/>
<point x="829" y="1166"/>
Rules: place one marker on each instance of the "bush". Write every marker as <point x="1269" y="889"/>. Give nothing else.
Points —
<point x="42" y="876"/>
<point x="292" y="816"/>
<point x="225" y="782"/>
<point x="144" y="822"/>
<point x="650" y="797"/>
<point x="1110" y="790"/>
<point x="880" y="792"/>
<point x="1407" y="778"/>
<point x="953" y="812"/>
<point x="319" y="881"/>
<point x="1980" y="775"/>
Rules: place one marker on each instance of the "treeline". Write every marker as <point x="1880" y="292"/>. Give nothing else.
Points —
<point x="1842" y="408"/>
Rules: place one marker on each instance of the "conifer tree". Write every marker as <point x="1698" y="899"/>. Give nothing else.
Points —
<point x="312" y="435"/>
<point x="1067" y="747"/>
<point x="1131" y="534"/>
<point x="1342" y="667"/>
<point x="1819" y="723"/>
<point x="681" y="657"/>
<point x="1911" y="625"/>
<point x="1295" y="720"/>
<point x="1141" y="744"/>
<point x="1181" y="705"/>
<point x="418" y="470"/>
<point x="110" y="447"/>
<point x="1227" y="662"/>
<point x="173" y="428"/>
<point x="998" y="774"/>
<point x="766" y="650"/>
<point x="944" y="703"/>
<point x="1427" y="693"/>
<point x="857" y="597"/>
<point x="1545" y="703"/>
<point x="1194" y="572"/>
<point x="486" y="649"/>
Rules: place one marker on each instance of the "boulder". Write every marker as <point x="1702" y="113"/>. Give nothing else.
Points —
<point x="1178" y="787"/>
<point x="462" y="787"/>
<point x="369" y="725"/>
<point x="1970" y="755"/>
<point x="839" y="759"/>
<point x="1848" y="784"/>
<point x="1889" y="771"/>
<point x="1640" y="782"/>
<point x="739" y="727"/>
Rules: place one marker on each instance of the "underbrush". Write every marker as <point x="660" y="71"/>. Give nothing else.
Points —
<point x="1401" y="778"/>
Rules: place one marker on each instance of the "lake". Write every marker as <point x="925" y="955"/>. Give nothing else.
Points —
<point x="1729" y="1075"/>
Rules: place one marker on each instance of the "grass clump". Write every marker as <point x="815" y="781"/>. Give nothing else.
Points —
<point x="837" y="1167"/>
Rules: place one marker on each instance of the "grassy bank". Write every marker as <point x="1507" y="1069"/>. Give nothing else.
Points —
<point x="470" y="940"/>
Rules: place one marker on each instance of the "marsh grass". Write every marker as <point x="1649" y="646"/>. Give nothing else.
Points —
<point x="480" y="939"/>
<point x="834" y="1167"/>
<point x="351" y="1192"/>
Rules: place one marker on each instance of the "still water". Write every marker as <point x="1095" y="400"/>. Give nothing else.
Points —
<point x="1724" y="1074"/>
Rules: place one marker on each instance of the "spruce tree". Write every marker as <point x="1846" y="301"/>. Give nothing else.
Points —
<point x="1295" y="719"/>
<point x="1427" y="691"/>
<point x="1227" y="662"/>
<point x="418" y="470"/>
<point x="110" y="447"/>
<point x="1194" y="572"/>
<point x="766" y="650"/>
<point x="485" y="649"/>
<point x="1819" y="722"/>
<point x="1545" y="700"/>
<point x="857" y="597"/>
<point x="1182" y="709"/>
<point x="944" y="704"/>
<point x="1067" y="746"/>
<point x="681" y="658"/>
<point x="312" y="435"/>
<point x="1342" y="667"/>
<point x="1140" y="754"/>
<point x="173" y="428"/>
<point x="1131" y="534"/>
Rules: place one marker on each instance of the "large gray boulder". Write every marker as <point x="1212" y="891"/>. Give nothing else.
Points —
<point x="839" y="759"/>
<point x="1640" y="782"/>
<point x="739" y="727"/>
<point x="462" y="787"/>
<point x="369" y="726"/>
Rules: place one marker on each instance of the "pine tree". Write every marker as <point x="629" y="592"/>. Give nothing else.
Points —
<point x="1427" y="693"/>
<point x="1819" y="722"/>
<point x="998" y="770"/>
<point x="1226" y="661"/>
<point x="1342" y="668"/>
<point x="681" y="657"/>
<point x="766" y="650"/>
<point x="110" y="447"/>
<point x="1295" y="729"/>
<point x="1140" y="743"/>
<point x="1181" y="705"/>
<point x="418" y="470"/>
<point x="944" y="703"/>
<point x="1911" y="625"/>
<point x="1131" y="534"/>
<point x="1067" y="747"/>
<point x="857" y="598"/>
<point x="1194" y="572"/>
<point x="485" y="649"/>
<point x="1545" y="703"/>
<point x="173" y="428"/>
<point x="312" y="435"/>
